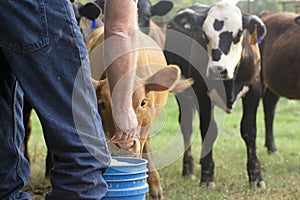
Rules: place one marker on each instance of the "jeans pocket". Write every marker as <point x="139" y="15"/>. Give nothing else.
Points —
<point x="23" y="25"/>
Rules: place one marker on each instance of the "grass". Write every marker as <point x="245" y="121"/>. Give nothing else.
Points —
<point x="280" y="171"/>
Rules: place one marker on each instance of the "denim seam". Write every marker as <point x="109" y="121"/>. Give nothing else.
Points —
<point x="43" y="42"/>
<point x="70" y="18"/>
<point x="14" y="137"/>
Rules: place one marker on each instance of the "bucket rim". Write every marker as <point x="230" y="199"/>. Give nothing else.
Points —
<point x="140" y="161"/>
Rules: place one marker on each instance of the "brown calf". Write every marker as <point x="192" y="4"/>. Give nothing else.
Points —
<point x="153" y="82"/>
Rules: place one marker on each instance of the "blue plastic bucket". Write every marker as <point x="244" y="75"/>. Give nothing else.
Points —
<point x="127" y="180"/>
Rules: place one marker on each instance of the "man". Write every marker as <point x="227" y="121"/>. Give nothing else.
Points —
<point x="42" y="54"/>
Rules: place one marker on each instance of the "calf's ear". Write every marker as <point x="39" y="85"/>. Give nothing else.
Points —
<point x="99" y="84"/>
<point x="90" y="10"/>
<point x="95" y="83"/>
<point x="255" y="26"/>
<point x="164" y="79"/>
<point x="161" y="8"/>
<point x="187" y="20"/>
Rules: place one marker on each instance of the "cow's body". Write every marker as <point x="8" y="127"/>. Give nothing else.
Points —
<point x="280" y="51"/>
<point x="231" y="80"/>
<point x="154" y="79"/>
<point x="157" y="34"/>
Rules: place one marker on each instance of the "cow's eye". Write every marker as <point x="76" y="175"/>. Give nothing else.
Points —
<point x="143" y="103"/>
<point x="146" y="17"/>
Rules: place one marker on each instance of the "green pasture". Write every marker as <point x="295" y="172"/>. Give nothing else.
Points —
<point x="281" y="171"/>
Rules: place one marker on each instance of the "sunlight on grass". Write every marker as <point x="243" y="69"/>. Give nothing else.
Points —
<point x="280" y="171"/>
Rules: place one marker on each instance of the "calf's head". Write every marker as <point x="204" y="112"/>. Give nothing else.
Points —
<point x="148" y="99"/>
<point x="222" y="26"/>
<point x="87" y="16"/>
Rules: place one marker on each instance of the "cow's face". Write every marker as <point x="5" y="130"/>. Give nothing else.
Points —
<point x="87" y="17"/>
<point x="223" y="28"/>
<point x="146" y="10"/>
<point x="145" y="103"/>
<point x="144" y="13"/>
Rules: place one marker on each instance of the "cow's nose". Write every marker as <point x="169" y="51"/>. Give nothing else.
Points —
<point x="217" y="72"/>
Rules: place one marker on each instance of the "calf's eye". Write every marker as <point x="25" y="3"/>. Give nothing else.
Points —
<point x="143" y="103"/>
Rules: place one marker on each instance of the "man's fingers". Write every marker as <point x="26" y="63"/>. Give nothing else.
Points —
<point x="122" y="136"/>
<point x="118" y="135"/>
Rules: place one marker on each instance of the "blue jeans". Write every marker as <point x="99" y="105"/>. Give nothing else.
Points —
<point x="42" y="54"/>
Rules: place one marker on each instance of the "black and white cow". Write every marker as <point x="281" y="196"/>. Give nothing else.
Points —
<point x="217" y="47"/>
<point x="146" y="11"/>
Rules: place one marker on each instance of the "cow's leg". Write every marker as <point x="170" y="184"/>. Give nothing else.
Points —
<point x="27" y="108"/>
<point x="269" y="102"/>
<point x="155" y="188"/>
<point x="248" y="132"/>
<point x="209" y="130"/>
<point x="186" y="110"/>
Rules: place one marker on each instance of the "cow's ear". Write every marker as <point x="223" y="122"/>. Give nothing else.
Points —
<point x="255" y="26"/>
<point x="161" y="8"/>
<point x="95" y="83"/>
<point x="164" y="79"/>
<point x="90" y="10"/>
<point x="101" y="4"/>
<point x="188" y="20"/>
<point x="99" y="84"/>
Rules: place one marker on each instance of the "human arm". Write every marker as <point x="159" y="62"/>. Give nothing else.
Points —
<point x="121" y="58"/>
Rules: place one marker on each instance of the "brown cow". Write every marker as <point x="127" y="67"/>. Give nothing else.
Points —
<point x="280" y="51"/>
<point x="157" y="34"/>
<point x="153" y="82"/>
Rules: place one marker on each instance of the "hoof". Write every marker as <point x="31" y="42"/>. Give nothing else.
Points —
<point x="187" y="170"/>
<point x="156" y="193"/>
<point x="272" y="151"/>
<point x="210" y="184"/>
<point x="256" y="184"/>
<point x="156" y="196"/>
<point x="271" y="148"/>
<point x="190" y="176"/>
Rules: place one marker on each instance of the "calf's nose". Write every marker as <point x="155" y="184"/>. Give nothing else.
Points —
<point x="217" y="72"/>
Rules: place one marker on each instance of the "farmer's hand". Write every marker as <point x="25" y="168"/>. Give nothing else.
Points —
<point x="126" y="124"/>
